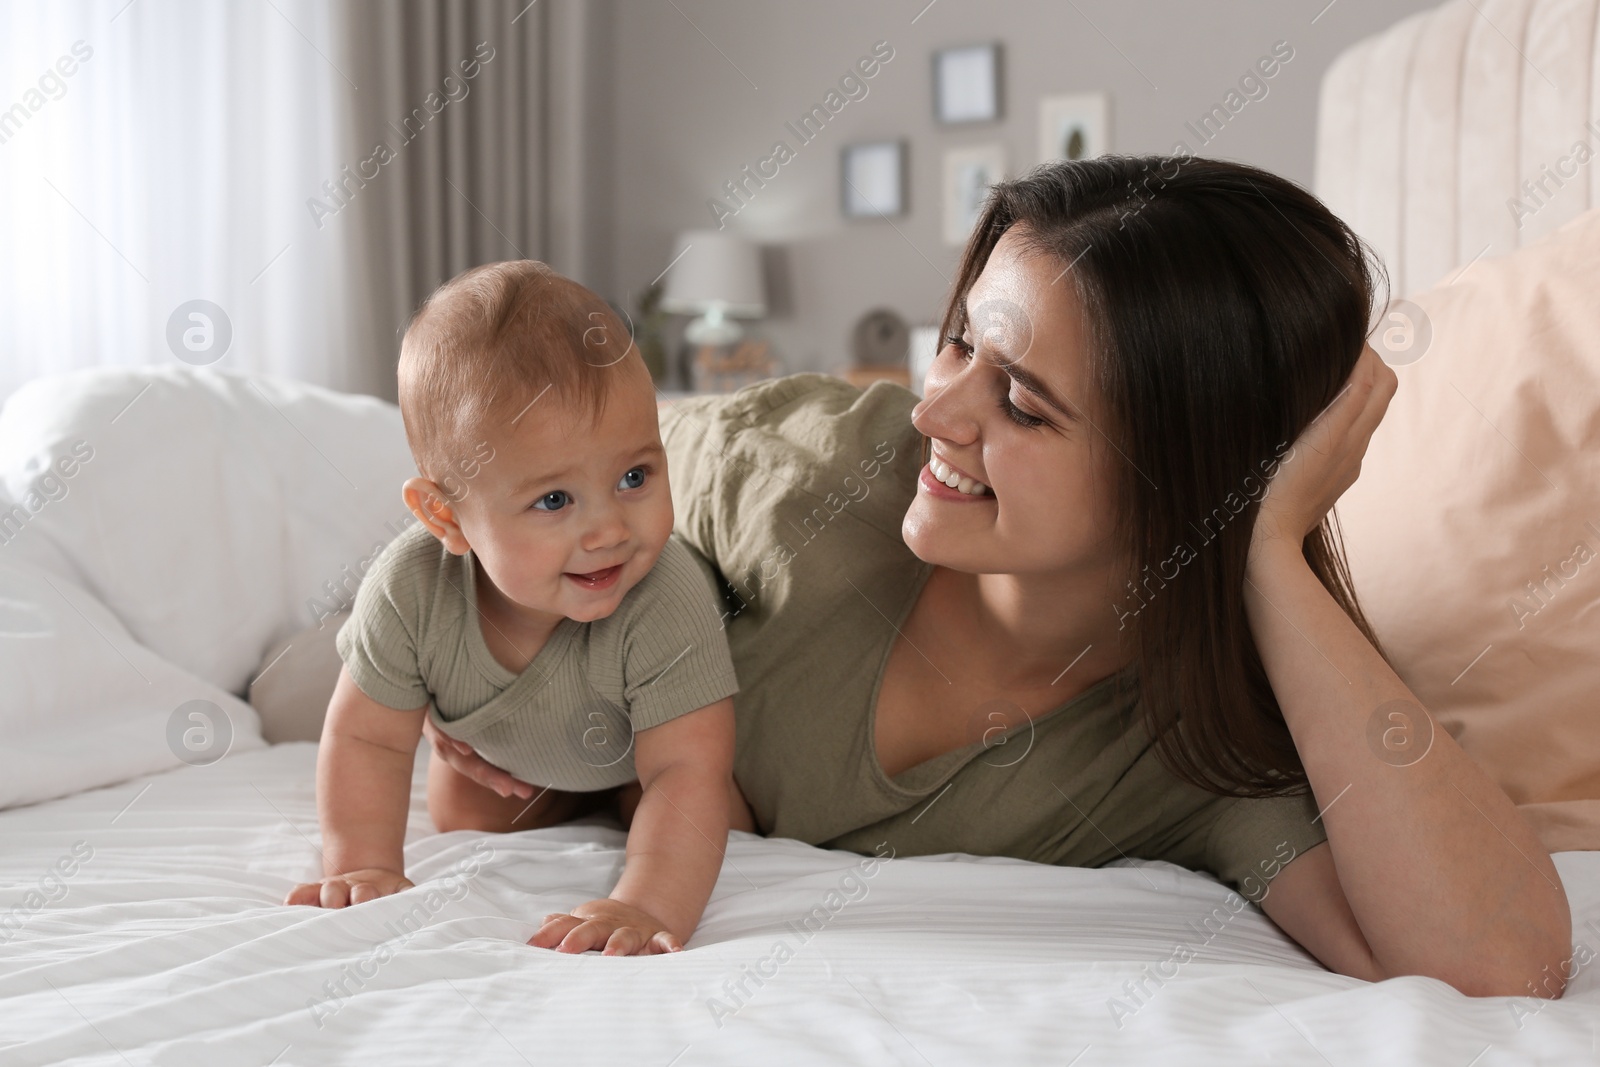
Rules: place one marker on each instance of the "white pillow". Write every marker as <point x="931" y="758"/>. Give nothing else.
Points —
<point x="86" y="705"/>
<point x="213" y="513"/>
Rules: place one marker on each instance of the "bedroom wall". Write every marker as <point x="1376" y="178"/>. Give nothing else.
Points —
<point x="704" y="87"/>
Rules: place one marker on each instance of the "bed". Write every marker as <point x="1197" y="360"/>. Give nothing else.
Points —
<point x="169" y="947"/>
<point x="150" y="831"/>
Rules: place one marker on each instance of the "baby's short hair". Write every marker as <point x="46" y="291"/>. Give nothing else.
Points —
<point x="490" y="342"/>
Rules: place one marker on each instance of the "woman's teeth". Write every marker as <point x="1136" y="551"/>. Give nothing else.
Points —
<point x="958" y="482"/>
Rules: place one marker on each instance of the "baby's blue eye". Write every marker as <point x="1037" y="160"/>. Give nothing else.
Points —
<point x="553" y="501"/>
<point x="633" y="479"/>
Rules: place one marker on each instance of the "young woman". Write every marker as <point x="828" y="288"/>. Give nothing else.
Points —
<point x="1053" y="610"/>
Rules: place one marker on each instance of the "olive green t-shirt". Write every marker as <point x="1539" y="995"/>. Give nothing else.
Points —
<point x="568" y="720"/>
<point x="794" y="490"/>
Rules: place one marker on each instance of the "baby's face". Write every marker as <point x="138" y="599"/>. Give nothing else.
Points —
<point x="572" y="511"/>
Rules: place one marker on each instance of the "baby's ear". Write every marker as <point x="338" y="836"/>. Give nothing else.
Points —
<point x="432" y="507"/>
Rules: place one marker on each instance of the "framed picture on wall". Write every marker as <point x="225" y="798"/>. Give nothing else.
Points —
<point x="968" y="174"/>
<point x="966" y="83"/>
<point x="872" y="181"/>
<point x="1075" y="126"/>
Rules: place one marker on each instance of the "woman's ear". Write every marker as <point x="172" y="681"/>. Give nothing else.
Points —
<point x="429" y="504"/>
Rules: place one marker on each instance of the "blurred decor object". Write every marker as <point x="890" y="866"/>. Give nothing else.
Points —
<point x="649" y="331"/>
<point x="968" y="174"/>
<point x="879" y="339"/>
<point x="861" y="377"/>
<point x="718" y="277"/>
<point x="873" y="179"/>
<point x="1075" y="126"/>
<point x="878" y="347"/>
<point x="925" y="345"/>
<point x="966" y="83"/>
<point x="727" y="368"/>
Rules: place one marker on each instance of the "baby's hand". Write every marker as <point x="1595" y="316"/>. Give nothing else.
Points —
<point x="618" y="929"/>
<point x="354" y="887"/>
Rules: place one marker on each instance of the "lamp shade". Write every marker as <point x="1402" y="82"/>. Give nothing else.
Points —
<point x="715" y="270"/>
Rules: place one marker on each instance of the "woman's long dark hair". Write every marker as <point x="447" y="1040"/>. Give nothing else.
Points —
<point x="1226" y="309"/>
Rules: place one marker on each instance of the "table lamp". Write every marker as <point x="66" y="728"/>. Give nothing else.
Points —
<point x="717" y="276"/>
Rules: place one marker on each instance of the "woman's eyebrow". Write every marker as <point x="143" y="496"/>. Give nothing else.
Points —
<point x="1025" y="378"/>
<point x="1032" y="383"/>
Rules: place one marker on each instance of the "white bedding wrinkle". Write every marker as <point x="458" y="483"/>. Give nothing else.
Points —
<point x="169" y="947"/>
<point x="353" y="977"/>
<point x="739" y="989"/>
<point x="51" y="888"/>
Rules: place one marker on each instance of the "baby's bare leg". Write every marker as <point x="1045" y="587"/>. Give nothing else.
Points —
<point x="740" y="817"/>
<point x="456" y="802"/>
<point x="628" y="797"/>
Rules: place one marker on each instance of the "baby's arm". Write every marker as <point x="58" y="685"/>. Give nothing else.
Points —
<point x="363" y="795"/>
<point x="675" y="846"/>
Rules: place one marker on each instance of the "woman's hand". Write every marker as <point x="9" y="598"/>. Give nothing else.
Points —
<point x="1429" y="869"/>
<point x="617" y="929"/>
<point x="465" y="759"/>
<point x="1326" y="457"/>
<point x="356" y="887"/>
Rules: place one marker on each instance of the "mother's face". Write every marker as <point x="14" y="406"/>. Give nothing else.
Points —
<point x="1012" y="418"/>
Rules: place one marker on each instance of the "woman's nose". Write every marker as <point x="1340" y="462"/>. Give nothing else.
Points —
<point x="946" y="412"/>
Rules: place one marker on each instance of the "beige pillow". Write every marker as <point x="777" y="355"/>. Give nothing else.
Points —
<point x="295" y="681"/>
<point x="1474" y="530"/>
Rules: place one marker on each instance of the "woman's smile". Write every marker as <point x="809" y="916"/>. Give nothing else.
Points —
<point x="933" y="487"/>
<point x="952" y="477"/>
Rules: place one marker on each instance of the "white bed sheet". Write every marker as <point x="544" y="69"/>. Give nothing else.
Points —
<point x="169" y="947"/>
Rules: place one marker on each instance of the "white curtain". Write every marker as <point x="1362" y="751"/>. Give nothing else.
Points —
<point x="230" y="153"/>
<point x="172" y="164"/>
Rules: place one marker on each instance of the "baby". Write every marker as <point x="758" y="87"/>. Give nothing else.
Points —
<point x="539" y="612"/>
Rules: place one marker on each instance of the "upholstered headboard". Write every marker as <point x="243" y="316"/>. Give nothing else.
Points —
<point x="1468" y="130"/>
